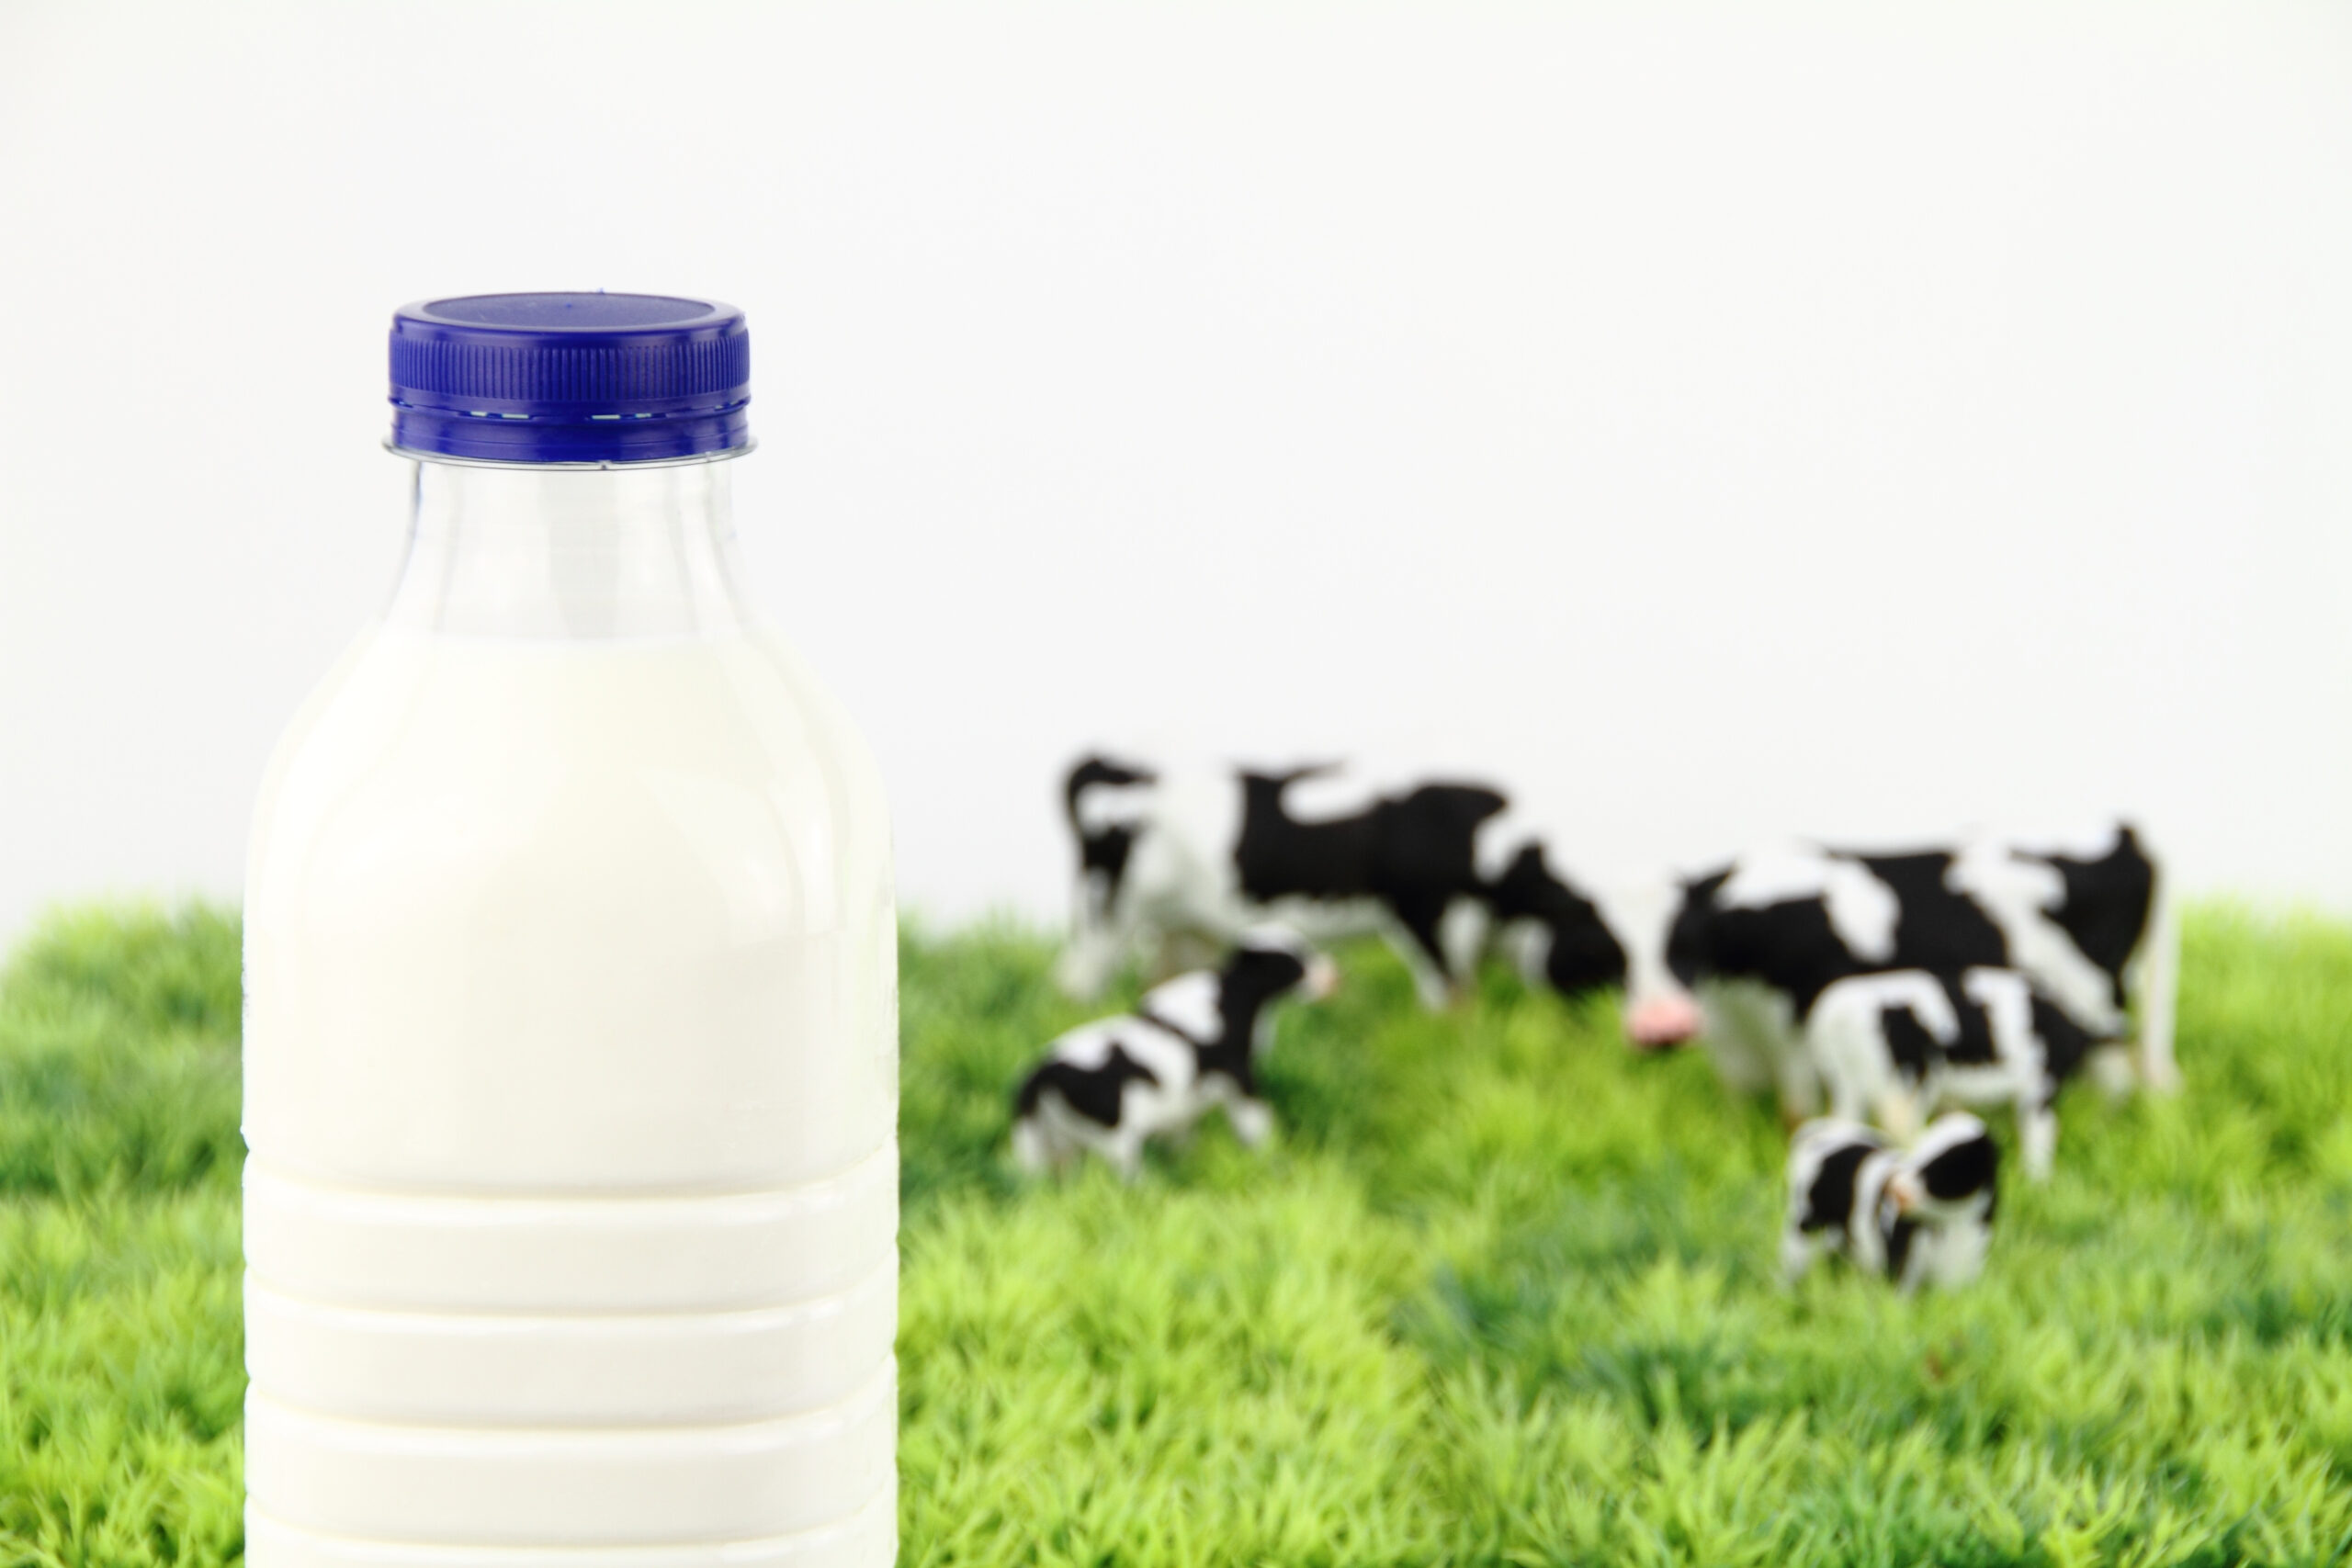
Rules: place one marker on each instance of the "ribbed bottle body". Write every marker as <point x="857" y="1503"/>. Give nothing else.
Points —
<point x="570" y="1059"/>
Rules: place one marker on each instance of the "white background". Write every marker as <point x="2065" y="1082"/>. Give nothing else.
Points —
<point x="1714" y="422"/>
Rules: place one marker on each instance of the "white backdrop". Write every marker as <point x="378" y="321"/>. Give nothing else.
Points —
<point x="1713" y="424"/>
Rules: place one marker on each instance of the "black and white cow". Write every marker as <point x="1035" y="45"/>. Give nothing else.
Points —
<point x="1164" y="857"/>
<point x="1107" y="1087"/>
<point x="1916" y="1216"/>
<point x="1738" y="957"/>
<point x="1559" y="935"/>
<point x="1892" y="1045"/>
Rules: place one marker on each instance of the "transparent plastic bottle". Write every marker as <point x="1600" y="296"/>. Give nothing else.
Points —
<point x="570" y="1040"/>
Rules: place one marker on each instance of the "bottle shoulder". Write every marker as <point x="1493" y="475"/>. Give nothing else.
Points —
<point x="743" y="700"/>
<point x="715" y="760"/>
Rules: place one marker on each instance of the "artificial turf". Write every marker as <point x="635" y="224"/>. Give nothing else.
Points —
<point x="1501" y="1293"/>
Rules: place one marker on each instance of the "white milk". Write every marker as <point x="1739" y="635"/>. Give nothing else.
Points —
<point x="571" y="1067"/>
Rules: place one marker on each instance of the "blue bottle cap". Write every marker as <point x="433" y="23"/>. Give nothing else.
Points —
<point x="570" y="377"/>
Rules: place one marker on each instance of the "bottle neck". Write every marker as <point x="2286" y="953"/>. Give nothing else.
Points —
<point x="570" y="554"/>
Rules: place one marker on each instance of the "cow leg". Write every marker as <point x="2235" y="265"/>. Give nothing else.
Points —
<point x="1252" y="1121"/>
<point x="1749" y="1034"/>
<point x="1033" y="1147"/>
<point x="1099" y="938"/>
<point x="1898" y="1113"/>
<point x="1958" y="1257"/>
<point x="2113" y="1068"/>
<point x="1181" y="952"/>
<point x="1906" y="1279"/>
<point x="1124" y="1149"/>
<point x="1739" y="1025"/>
<point x="1086" y="964"/>
<point x="2038" y="1130"/>
<point x="1737" y="1060"/>
<point x="1462" y="938"/>
<point x="1848" y="1100"/>
<point x="1848" y="1055"/>
<point x="1424" y="952"/>
<point x="1799" y="1084"/>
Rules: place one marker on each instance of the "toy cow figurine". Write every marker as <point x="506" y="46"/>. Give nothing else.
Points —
<point x="1891" y="1046"/>
<point x="1168" y="858"/>
<point x="1738" y="958"/>
<point x="1107" y="1087"/>
<point x="1920" y="1216"/>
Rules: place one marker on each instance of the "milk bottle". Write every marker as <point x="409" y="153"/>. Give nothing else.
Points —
<point x="570" y="1040"/>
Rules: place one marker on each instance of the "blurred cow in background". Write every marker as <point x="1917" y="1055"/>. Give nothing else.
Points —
<point x="1164" y="858"/>
<point x="1893" y="1045"/>
<point x="1107" y="1088"/>
<point x="1916" y="1216"/>
<point x="1555" y="930"/>
<point x="1738" y="958"/>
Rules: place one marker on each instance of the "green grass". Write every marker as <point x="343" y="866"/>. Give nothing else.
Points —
<point x="1502" y="1293"/>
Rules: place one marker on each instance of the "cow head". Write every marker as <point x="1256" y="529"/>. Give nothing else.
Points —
<point x="1271" y="961"/>
<point x="1954" y="1165"/>
<point x="1664" y="932"/>
<point x="1794" y="916"/>
<point x="1561" y="936"/>
<point x="1580" y="942"/>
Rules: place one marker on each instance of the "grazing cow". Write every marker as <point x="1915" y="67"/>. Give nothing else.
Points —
<point x="1163" y="859"/>
<point x="1740" y="956"/>
<point x="1558" y="934"/>
<point x="1916" y="1216"/>
<point x="1107" y="1087"/>
<point x="1892" y="1045"/>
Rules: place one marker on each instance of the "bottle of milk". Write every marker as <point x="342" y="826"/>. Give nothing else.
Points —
<point x="570" y="1039"/>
